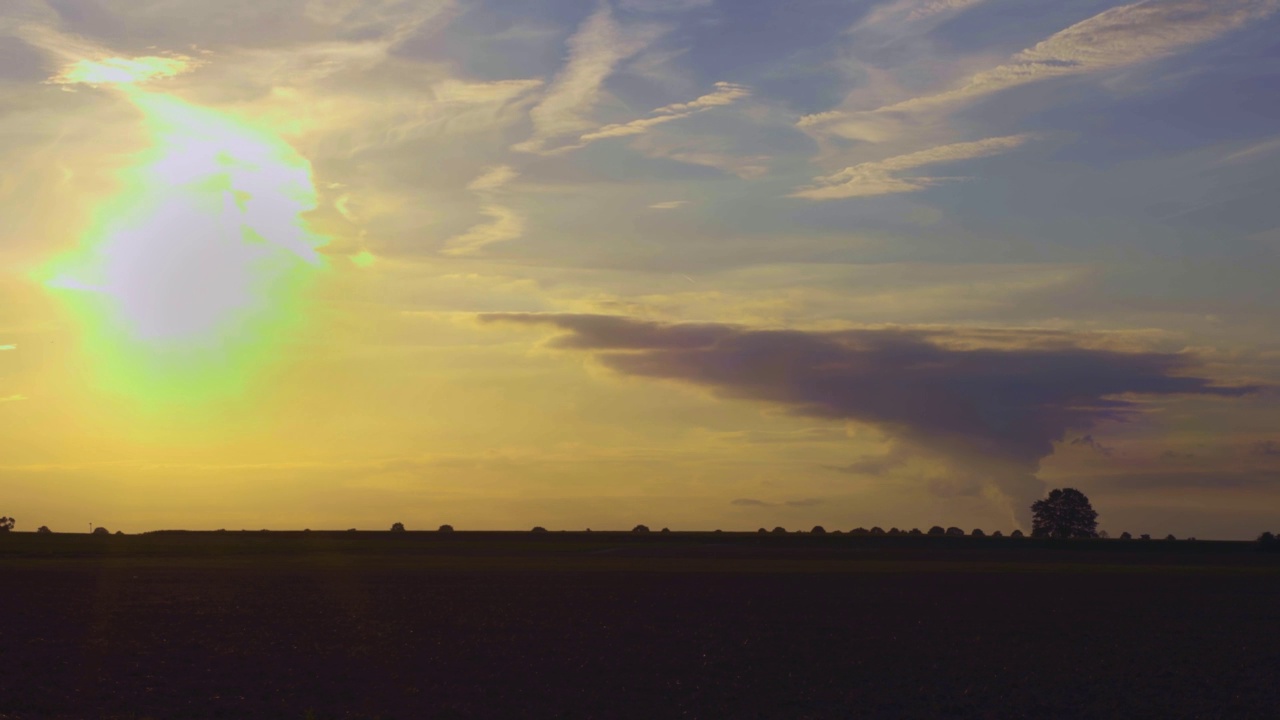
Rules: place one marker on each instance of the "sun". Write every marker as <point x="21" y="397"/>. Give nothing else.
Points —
<point x="196" y="267"/>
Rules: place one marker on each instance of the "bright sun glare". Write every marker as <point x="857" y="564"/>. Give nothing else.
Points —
<point x="200" y="257"/>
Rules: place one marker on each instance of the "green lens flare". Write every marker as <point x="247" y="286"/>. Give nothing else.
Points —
<point x="194" y="274"/>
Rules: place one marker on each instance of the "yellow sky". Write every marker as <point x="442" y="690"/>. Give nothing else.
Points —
<point x="247" y="281"/>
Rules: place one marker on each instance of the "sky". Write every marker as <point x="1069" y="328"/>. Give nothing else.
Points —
<point x="695" y="264"/>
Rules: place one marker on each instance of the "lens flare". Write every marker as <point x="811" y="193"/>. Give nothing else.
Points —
<point x="194" y="272"/>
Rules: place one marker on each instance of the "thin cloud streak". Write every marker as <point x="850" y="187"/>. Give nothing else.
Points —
<point x="880" y="177"/>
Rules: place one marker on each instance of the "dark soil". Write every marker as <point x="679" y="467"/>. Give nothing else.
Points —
<point x="376" y="625"/>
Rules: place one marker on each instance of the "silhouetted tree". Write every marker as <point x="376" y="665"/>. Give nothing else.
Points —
<point x="44" y="530"/>
<point x="837" y="531"/>
<point x="119" y="532"/>
<point x="1066" y="513"/>
<point x="1267" y="542"/>
<point x="397" y="527"/>
<point x="937" y="530"/>
<point x="915" y="531"/>
<point x="877" y="530"/>
<point x="1170" y="537"/>
<point x="955" y="532"/>
<point x="1125" y="536"/>
<point x="779" y="531"/>
<point x="1144" y="536"/>
<point x="1016" y="534"/>
<point x="1104" y="534"/>
<point x="446" y="528"/>
<point x="101" y="531"/>
<point x="977" y="532"/>
<point x="6" y="524"/>
<point x="895" y="531"/>
<point x="997" y="534"/>
<point x="763" y="531"/>
<point x="860" y="531"/>
<point x="666" y="530"/>
<point x="538" y="528"/>
<point x="640" y="529"/>
<point x="818" y="530"/>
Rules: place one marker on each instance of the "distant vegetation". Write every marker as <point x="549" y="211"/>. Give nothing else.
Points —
<point x="1065" y="514"/>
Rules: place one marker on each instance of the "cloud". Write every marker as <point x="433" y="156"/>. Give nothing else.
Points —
<point x="12" y="398"/>
<point x="1115" y="38"/>
<point x="594" y="51"/>
<point x="906" y="12"/>
<point x="994" y="410"/>
<point x="8" y="347"/>
<point x="667" y="205"/>
<point x="1088" y="442"/>
<point x="503" y="225"/>
<point x="725" y="94"/>
<point x="1267" y="448"/>
<point x="752" y="502"/>
<point x="493" y="178"/>
<point x="881" y="177"/>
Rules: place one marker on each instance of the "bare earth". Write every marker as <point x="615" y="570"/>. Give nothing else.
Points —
<point x="604" y="625"/>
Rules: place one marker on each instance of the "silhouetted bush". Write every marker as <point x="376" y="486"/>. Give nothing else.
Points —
<point x="1016" y="534"/>
<point x="1144" y="536"/>
<point x="1267" y="542"/>
<point x="640" y="529"/>
<point x="101" y="531"/>
<point x="44" y="530"/>
<point x="915" y="531"/>
<point x="860" y="531"/>
<point x="779" y="531"/>
<point x="445" y="528"/>
<point x="818" y="530"/>
<point x="937" y="530"/>
<point x="538" y="528"/>
<point x="877" y="530"/>
<point x="955" y="532"/>
<point x="837" y="532"/>
<point x="6" y="524"/>
<point x="666" y="530"/>
<point x="1125" y="536"/>
<point x="1170" y="537"/>
<point x="397" y="527"/>
<point x="997" y="534"/>
<point x="763" y="531"/>
<point x="977" y="532"/>
<point x="119" y="532"/>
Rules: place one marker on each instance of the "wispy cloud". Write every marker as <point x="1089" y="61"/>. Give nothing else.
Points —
<point x="725" y="94"/>
<point x="12" y="398"/>
<point x="595" y="50"/>
<point x="1114" y="38"/>
<point x="881" y="177"/>
<point x="504" y="224"/>
<point x="668" y="205"/>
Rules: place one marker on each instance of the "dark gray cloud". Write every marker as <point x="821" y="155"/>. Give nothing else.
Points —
<point x="1094" y="445"/>
<point x="752" y="502"/>
<point x="1269" y="448"/>
<point x="1005" y="406"/>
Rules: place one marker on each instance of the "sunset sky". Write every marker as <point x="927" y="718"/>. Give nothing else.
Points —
<point x="690" y="263"/>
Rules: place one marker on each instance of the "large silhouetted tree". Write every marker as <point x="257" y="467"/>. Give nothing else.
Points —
<point x="6" y="524"/>
<point x="1066" y="513"/>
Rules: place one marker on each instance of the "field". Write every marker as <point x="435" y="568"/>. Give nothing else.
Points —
<point x="612" y="625"/>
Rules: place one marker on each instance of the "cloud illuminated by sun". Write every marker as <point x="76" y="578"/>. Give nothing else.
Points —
<point x="123" y="71"/>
